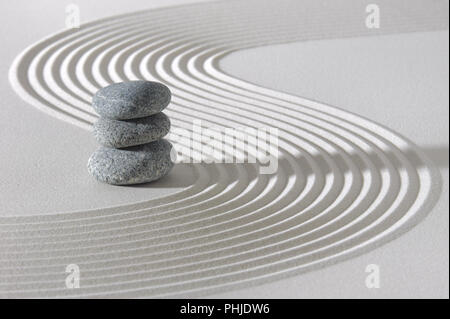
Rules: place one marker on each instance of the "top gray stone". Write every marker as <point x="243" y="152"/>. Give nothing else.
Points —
<point x="130" y="100"/>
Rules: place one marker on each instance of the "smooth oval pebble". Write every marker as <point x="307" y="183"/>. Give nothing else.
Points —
<point x="131" y="165"/>
<point x="115" y="133"/>
<point x="130" y="100"/>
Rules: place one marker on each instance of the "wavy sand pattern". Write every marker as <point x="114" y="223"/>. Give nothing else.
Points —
<point x="344" y="185"/>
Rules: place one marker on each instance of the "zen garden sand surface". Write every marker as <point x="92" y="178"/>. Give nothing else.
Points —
<point x="355" y="183"/>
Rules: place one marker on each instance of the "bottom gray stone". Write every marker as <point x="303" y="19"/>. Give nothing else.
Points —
<point x="131" y="165"/>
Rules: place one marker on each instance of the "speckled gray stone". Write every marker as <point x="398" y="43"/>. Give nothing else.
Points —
<point x="131" y="165"/>
<point x="114" y="133"/>
<point x="130" y="100"/>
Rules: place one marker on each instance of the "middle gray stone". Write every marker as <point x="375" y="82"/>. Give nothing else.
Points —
<point x="124" y="133"/>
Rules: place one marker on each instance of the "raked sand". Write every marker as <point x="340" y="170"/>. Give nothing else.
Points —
<point x="345" y="184"/>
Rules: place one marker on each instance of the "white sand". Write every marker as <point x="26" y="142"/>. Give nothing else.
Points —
<point x="292" y="234"/>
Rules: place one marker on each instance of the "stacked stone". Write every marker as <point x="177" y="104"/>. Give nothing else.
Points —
<point x="130" y="129"/>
